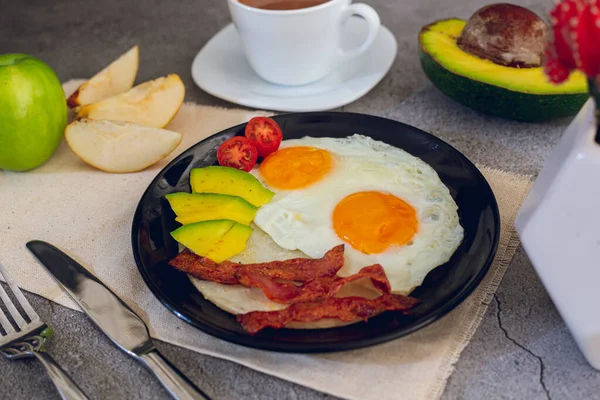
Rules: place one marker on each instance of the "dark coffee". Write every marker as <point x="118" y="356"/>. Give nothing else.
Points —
<point x="282" y="4"/>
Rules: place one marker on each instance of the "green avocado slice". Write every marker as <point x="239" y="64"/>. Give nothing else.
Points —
<point x="197" y="207"/>
<point x="230" y="181"/>
<point x="217" y="240"/>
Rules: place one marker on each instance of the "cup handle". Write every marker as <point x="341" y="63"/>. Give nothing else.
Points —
<point x="373" y="21"/>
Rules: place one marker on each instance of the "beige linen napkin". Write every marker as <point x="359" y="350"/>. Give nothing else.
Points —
<point x="88" y="214"/>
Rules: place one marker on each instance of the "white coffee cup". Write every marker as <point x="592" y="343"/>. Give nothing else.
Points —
<point x="296" y="47"/>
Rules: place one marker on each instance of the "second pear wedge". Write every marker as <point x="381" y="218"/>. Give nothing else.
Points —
<point x="153" y="103"/>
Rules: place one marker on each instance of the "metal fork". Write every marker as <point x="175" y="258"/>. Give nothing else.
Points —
<point x="28" y="340"/>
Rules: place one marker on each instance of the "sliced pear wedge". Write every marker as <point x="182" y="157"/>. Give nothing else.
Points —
<point x="153" y="103"/>
<point x="117" y="78"/>
<point x="117" y="146"/>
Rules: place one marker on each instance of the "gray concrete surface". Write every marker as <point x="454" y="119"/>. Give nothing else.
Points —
<point x="522" y="350"/>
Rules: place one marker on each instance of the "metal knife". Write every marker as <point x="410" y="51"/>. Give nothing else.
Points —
<point x="113" y="317"/>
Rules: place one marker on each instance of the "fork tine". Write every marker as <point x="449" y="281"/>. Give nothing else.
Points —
<point x="12" y="309"/>
<point x="19" y="295"/>
<point x="8" y="302"/>
<point x="5" y="323"/>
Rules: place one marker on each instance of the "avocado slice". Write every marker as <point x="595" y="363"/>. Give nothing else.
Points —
<point x="231" y="181"/>
<point x="523" y="94"/>
<point x="217" y="240"/>
<point x="197" y="207"/>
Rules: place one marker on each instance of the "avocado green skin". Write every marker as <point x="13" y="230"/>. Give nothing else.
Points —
<point x="498" y="101"/>
<point x="33" y="112"/>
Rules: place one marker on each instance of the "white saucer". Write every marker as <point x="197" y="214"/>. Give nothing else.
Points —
<point x="221" y="69"/>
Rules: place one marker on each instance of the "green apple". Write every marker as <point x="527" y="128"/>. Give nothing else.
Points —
<point x="33" y="112"/>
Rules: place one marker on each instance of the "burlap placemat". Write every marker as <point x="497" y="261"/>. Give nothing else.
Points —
<point x="88" y="213"/>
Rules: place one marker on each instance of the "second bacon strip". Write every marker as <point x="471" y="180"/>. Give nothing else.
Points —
<point x="316" y="289"/>
<point x="318" y="275"/>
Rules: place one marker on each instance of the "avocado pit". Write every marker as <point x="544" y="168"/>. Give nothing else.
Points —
<point x="506" y="34"/>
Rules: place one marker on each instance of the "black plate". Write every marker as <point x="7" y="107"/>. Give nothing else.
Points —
<point x="443" y="289"/>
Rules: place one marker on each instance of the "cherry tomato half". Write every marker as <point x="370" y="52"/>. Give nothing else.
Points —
<point x="238" y="152"/>
<point x="265" y="133"/>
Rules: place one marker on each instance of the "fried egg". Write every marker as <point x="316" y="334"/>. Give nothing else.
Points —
<point x="387" y="206"/>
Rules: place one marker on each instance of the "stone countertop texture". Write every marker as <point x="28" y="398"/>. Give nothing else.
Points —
<point x="522" y="350"/>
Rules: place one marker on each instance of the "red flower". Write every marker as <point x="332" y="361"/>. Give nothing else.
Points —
<point x="561" y="53"/>
<point x="576" y="41"/>
<point x="588" y="39"/>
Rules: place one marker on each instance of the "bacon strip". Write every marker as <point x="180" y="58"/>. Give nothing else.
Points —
<point x="297" y="269"/>
<point x="346" y="309"/>
<point x="314" y="290"/>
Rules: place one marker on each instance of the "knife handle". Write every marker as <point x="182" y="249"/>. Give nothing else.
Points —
<point x="171" y="378"/>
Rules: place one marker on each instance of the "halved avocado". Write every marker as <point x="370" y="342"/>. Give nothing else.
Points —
<point x="523" y="94"/>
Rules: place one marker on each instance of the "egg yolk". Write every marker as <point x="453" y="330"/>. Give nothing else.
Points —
<point x="372" y="221"/>
<point x="295" y="167"/>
